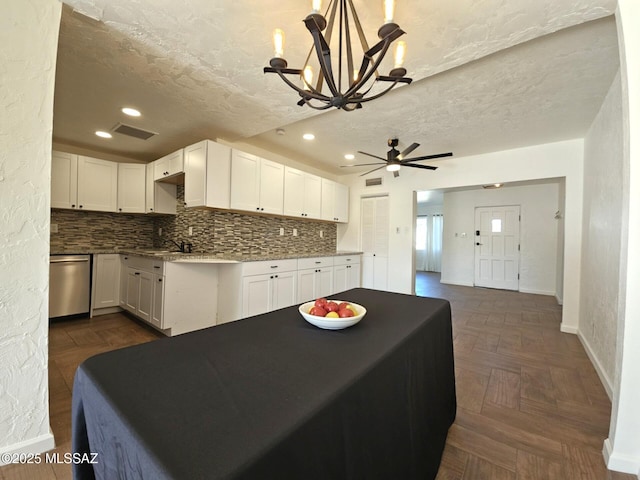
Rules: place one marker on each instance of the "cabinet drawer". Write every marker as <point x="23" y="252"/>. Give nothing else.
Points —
<point x="263" y="267"/>
<point x="346" y="260"/>
<point x="151" y="265"/>
<point x="314" y="262"/>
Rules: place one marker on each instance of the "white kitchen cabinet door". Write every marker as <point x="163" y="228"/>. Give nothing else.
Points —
<point x="245" y="181"/>
<point x="312" y="195"/>
<point x="158" y="301"/>
<point x="293" y="192"/>
<point x="353" y="276"/>
<point x="145" y="302"/>
<point x="131" y="187"/>
<point x="160" y="196"/>
<point x="97" y="184"/>
<point x="315" y="283"/>
<point x="195" y="175"/>
<point x="169" y="166"/>
<point x="324" y="282"/>
<point x="341" y="203"/>
<point x="284" y="290"/>
<point x="306" y="285"/>
<point x="64" y="180"/>
<point x="207" y="175"/>
<point x="132" y="292"/>
<point x="256" y="294"/>
<point x="302" y="194"/>
<point x="271" y="187"/>
<point x="328" y="193"/>
<point x="340" y="278"/>
<point x="107" y="281"/>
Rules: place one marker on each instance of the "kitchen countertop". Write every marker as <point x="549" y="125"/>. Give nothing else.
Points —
<point x="199" y="257"/>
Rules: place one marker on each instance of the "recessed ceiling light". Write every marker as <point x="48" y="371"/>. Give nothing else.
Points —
<point x="103" y="134"/>
<point x="349" y="156"/>
<point x="132" y="112"/>
<point x="308" y="136"/>
<point x="493" y="185"/>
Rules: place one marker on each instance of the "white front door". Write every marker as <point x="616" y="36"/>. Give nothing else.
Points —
<point x="497" y="247"/>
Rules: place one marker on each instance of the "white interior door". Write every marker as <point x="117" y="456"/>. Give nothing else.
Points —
<point x="374" y="231"/>
<point x="497" y="247"/>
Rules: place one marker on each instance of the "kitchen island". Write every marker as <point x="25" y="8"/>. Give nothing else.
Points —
<point x="272" y="396"/>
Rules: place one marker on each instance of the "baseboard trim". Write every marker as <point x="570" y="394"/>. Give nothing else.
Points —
<point x="604" y="378"/>
<point x="461" y="284"/>
<point x="620" y="463"/>
<point x="559" y="300"/>
<point x="538" y="292"/>
<point x="40" y="444"/>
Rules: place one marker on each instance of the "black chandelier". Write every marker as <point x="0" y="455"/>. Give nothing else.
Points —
<point x="358" y="83"/>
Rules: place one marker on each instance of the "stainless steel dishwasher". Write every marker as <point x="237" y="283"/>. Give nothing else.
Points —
<point x="69" y="284"/>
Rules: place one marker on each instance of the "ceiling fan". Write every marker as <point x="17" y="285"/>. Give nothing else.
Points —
<point x="395" y="159"/>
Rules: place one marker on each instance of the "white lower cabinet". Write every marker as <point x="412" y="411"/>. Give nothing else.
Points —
<point x="264" y="293"/>
<point x="346" y="273"/>
<point x="158" y="301"/>
<point x="105" y="293"/>
<point x="141" y="296"/>
<point x="315" y="278"/>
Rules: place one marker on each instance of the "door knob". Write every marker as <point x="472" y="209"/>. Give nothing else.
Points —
<point x="478" y="243"/>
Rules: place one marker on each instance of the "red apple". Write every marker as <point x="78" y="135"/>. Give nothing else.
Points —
<point x="318" y="311"/>
<point x="345" y="312"/>
<point x="343" y="305"/>
<point x="331" y="307"/>
<point x="320" y="302"/>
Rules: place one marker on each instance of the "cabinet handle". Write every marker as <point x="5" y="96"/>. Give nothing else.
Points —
<point x="151" y="209"/>
<point x="274" y="266"/>
<point x="119" y="209"/>
<point x="275" y="276"/>
<point x="80" y="206"/>
<point x="73" y="206"/>
<point x="156" y="266"/>
<point x="159" y="279"/>
<point x="137" y="273"/>
<point x="317" y="263"/>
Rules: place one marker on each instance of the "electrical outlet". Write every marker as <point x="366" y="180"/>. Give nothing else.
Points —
<point x="281" y="232"/>
<point x="321" y="234"/>
<point x="295" y="232"/>
<point x="190" y="231"/>
<point x="160" y="231"/>
<point x="54" y="228"/>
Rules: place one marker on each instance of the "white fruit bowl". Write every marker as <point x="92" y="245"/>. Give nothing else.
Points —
<point x="332" y="323"/>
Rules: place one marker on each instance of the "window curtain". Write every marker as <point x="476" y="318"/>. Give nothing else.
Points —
<point x="429" y="243"/>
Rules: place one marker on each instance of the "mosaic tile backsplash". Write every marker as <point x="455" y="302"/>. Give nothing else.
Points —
<point x="219" y="231"/>
<point x="214" y="231"/>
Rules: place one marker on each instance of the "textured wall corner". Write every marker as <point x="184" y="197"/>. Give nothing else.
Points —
<point x="28" y="44"/>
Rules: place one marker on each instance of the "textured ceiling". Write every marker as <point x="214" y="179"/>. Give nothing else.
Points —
<point x="488" y="75"/>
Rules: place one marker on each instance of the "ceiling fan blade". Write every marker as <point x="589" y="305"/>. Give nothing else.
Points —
<point x="360" y="165"/>
<point x="427" y="157"/>
<point x="371" y="171"/>
<point x="374" y="156"/>
<point x="426" y="167"/>
<point x="408" y="150"/>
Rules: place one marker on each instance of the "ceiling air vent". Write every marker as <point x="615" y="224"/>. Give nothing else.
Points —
<point x="133" y="131"/>
<point x="372" y="182"/>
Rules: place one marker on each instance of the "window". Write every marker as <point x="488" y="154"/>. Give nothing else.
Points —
<point x="496" y="225"/>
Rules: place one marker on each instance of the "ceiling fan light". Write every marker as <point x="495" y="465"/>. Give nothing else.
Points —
<point x="393" y="167"/>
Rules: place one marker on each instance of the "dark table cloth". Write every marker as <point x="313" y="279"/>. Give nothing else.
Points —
<point x="273" y="397"/>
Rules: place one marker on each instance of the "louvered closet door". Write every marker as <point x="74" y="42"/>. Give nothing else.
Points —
<point x="375" y="242"/>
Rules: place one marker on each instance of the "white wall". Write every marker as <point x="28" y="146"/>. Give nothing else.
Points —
<point x="602" y="227"/>
<point x="554" y="160"/>
<point x="538" y="234"/>
<point x="28" y="44"/>
<point x="622" y="448"/>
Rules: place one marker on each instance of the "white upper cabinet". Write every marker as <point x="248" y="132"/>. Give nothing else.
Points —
<point x="335" y="201"/>
<point x="64" y="180"/>
<point x="257" y="184"/>
<point x="207" y="170"/>
<point x="169" y="166"/>
<point x="302" y="194"/>
<point x="97" y="184"/>
<point x="160" y="196"/>
<point x="131" y="187"/>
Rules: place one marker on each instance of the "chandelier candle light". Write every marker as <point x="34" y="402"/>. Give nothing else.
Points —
<point x="328" y="89"/>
